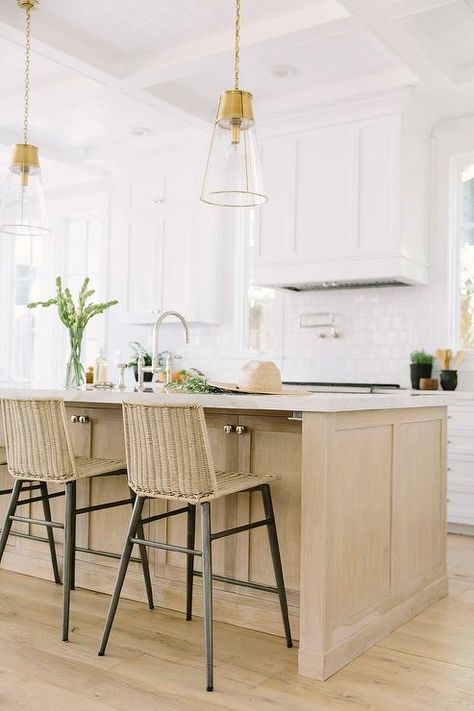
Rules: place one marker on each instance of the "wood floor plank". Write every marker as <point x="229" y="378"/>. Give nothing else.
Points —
<point x="155" y="658"/>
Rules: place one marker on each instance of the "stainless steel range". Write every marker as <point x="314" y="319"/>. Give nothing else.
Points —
<point x="369" y="388"/>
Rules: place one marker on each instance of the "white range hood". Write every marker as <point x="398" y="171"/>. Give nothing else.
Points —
<point x="348" y="205"/>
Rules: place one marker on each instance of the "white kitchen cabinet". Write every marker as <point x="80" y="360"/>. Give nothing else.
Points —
<point x="461" y="464"/>
<point x="170" y="240"/>
<point x="335" y="211"/>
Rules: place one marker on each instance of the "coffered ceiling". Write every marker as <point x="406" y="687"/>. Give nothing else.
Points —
<point x="117" y="76"/>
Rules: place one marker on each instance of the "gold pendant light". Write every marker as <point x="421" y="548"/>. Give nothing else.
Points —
<point x="233" y="176"/>
<point x="23" y="209"/>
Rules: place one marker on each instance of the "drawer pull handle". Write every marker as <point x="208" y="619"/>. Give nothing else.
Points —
<point x="241" y="429"/>
<point x="81" y="419"/>
<point x="228" y="429"/>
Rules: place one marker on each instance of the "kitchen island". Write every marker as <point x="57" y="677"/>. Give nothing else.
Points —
<point x="360" y="510"/>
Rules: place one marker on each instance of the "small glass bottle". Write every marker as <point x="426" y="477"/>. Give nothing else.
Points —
<point x="90" y="375"/>
<point x="100" y="369"/>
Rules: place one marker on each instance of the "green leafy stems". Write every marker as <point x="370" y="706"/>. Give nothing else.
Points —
<point x="75" y="318"/>
<point x="192" y="381"/>
<point x="421" y="357"/>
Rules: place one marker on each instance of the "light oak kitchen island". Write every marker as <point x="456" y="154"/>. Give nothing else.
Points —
<point x="360" y="510"/>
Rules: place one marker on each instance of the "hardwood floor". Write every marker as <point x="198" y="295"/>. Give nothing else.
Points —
<point x="155" y="659"/>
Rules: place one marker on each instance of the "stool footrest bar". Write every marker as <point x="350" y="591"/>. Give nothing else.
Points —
<point x="100" y="507"/>
<point x="165" y="546"/>
<point x="240" y="583"/>
<point x="92" y="551"/>
<point x="40" y="498"/>
<point x="36" y="521"/>
<point x="240" y="529"/>
<point x="158" y="517"/>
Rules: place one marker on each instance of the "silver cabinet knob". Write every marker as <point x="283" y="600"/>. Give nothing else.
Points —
<point x="228" y="429"/>
<point x="241" y="429"/>
<point x="82" y="419"/>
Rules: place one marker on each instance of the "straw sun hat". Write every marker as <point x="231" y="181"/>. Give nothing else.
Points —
<point x="258" y="377"/>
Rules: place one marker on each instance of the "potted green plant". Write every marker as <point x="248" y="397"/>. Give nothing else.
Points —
<point x="139" y="351"/>
<point x="421" y="367"/>
<point x="75" y="317"/>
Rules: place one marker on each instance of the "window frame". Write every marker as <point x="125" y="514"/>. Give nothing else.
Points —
<point x="458" y="163"/>
<point x="242" y="282"/>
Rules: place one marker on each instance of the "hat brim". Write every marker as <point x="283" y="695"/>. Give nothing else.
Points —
<point x="233" y="387"/>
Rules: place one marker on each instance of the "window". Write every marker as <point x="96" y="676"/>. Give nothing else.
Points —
<point x="83" y="258"/>
<point x="464" y="255"/>
<point x="260" y="318"/>
<point x="27" y="259"/>
<point x="34" y="350"/>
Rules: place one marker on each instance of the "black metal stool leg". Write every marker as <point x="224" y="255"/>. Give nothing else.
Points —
<point x="49" y="531"/>
<point x="73" y="534"/>
<point x="207" y="591"/>
<point x="68" y="556"/>
<point x="10" y="512"/>
<point x="144" y="559"/>
<point x="124" y="561"/>
<point x="190" y="560"/>
<point x="276" y="558"/>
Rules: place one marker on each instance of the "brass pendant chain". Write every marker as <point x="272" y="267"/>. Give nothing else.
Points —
<point x="27" y="74"/>
<point x="237" y="42"/>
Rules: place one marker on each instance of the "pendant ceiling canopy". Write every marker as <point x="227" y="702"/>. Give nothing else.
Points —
<point x="233" y="175"/>
<point x="23" y="209"/>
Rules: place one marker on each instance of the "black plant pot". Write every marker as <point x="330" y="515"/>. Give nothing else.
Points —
<point x="448" y="379"/>
<point x="147" y="377"/>
<point x="419" y="370"/>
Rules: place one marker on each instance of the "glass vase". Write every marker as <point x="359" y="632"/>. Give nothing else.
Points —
<point x="75" y="374"/>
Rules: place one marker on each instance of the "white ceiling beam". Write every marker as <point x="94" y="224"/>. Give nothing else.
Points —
<point x="193" y="57"/>
<point x="65" y="156"/>
<point x="41" y="46"/>
<point x="369" y="84"/>
<point x="378" y="20"/>
<point x="405" y="8"/>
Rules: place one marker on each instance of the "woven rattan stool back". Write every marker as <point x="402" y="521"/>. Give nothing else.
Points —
<point x="168" y="451"/>
<point x="37" y="440"/>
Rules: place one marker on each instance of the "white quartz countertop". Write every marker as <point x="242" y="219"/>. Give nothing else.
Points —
<point x="313" y="402"/>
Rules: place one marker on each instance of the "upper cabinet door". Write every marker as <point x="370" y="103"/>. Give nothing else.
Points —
<point x="276" y="218"/>
<point x="143" y="249"/>
<point x="379" y="181"/>
<point x="326" y="195"/>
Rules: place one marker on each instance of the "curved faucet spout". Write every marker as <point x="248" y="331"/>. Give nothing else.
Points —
<point x="156" y="333"/>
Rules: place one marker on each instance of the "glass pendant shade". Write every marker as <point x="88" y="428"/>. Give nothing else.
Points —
<point x="23" y="209"/>
<point x="233" y="176"/>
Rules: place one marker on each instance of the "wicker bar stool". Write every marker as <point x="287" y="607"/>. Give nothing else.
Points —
<point x="169" y="457"/>
<point x="39" y="451"/>
<point x="46" y="512"/>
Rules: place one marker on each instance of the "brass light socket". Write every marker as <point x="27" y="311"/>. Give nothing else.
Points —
<point x="27" y="4"/>
<point x="25" y="157"/>
<point x="235" y="107"/>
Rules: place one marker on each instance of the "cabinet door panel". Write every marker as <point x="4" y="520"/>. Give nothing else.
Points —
<point x="359" y="493"/>
<point x="177" y="225"/>
<point x="377" y="187"/>
<point x="144" y="256"/>
<point x="277" y="217"/>
<point x="326" y="192"/>
<point x="418" y="502"/>
<point x="272" y="446"/>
